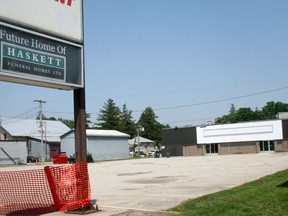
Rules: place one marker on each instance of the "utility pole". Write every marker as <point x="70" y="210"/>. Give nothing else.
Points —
<point x="139" y="129"/>
<point x="41" y="126"/>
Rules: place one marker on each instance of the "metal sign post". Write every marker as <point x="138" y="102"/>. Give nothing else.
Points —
<point x="80" y="125"/>
<point x="80" y="145"/>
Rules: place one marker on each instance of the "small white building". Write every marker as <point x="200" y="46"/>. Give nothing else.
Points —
<point x="101" y="144"/>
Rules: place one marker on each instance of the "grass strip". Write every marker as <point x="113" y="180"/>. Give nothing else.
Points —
<point x="266" y="196"/>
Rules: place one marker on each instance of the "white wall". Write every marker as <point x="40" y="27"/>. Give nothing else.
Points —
<point x="36" y="149"/>
<point x="240" y="132"/>
<point x="108" y="148"/>
<point x="16" y="150"/>
<point x="101" y="148"/>
<point x="68" y="144"/>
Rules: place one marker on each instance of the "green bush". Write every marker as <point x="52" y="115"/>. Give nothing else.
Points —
<point x="90" y="158"/>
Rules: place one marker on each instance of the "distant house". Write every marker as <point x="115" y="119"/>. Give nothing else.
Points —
<point x="28" y="131"/>
<point x="101" y="144"/>
<point x="145" y="144"/>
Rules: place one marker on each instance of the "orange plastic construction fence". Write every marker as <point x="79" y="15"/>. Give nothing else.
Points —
<point x="69" y="186"/>
<point x="41" y="191"/>
<point x="25" y="192"/>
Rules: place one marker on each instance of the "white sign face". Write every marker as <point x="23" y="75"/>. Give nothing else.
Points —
<point x="240" y="132"/>
<point x="62" y="18"/>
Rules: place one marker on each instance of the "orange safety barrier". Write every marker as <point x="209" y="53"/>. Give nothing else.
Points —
<point x="69" y="186"/>
<point x="44" y="191"/>
<point x="25" y="192"/>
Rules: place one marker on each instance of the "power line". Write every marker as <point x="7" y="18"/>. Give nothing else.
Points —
<point x="15" y="117"/>
<point x="195" y="104"/>
<point x="146" y="93"/>
<point x="54" y="112"/>
<point x="193" y="120"/>
<point x="220" y="100"/>
<point x="179" y="106"/>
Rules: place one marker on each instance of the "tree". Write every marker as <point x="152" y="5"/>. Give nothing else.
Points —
<point x="230" y="118"/>
<point x="128" y="123"/>
<point x="244" y="114"/>
<point x="110" y="117"/>
<point x="271" y="109"/>
<point x="67" y="122"/>
<point x="88" y="121"/>
<point x="258" y="114"/>
<point x="152" y="128"/>
<point x="232" y="109"/>
<point x="222" y="120"/>
<point x="44" y="117"/>
<point x="227" y="118"/>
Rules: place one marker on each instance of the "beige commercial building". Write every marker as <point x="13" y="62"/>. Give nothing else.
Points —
<point x="237" y="138"/>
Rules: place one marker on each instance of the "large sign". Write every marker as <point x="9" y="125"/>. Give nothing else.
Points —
<point x="35" y="59"/>
<point x="61" y="18"/>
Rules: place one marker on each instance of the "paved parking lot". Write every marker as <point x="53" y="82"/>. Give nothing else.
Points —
<point x="156" y="184"/>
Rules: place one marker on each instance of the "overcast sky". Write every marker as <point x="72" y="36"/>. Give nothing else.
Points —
<point x="187" y="59"/>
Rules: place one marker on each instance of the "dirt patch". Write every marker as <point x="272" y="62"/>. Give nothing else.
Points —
<point x="151" y="181"/>
<point x="156" y="180"/>
<point x="131" y="174"/>
<point x="143" y="213"/>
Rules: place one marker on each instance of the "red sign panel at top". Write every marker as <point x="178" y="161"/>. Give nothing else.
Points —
<point x="69" y="2"/>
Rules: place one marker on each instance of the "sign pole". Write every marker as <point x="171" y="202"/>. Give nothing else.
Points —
<point x="81" y="149"/>
<point x="80" y="125"/>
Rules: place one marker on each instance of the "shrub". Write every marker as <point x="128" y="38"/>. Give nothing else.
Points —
<point x="90" y="158"/>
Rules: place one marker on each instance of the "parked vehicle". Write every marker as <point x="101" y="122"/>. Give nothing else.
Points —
<point x="32" y="159"/>
<point x="142" y="154"/>
<point x="151" y="153"/>
<point x="157" y="154"/>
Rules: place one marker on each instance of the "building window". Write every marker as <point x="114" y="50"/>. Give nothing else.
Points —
<point x="267" y="146"/>
<point x="211" y="148"/>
